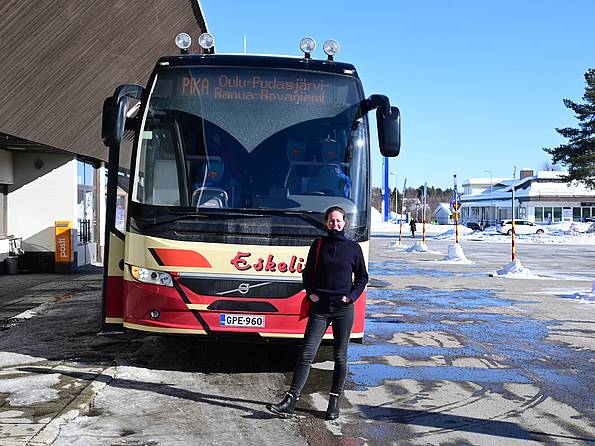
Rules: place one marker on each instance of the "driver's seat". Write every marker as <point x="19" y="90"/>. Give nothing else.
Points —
<point x="208" y="192"/>
<point x="330" y="180"/>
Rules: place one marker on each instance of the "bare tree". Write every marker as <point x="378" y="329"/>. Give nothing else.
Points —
<point x="546" y="165"/>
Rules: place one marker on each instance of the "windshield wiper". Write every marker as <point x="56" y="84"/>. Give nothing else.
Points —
<point x="226" y="214"/>
<point x="169" y="218"/>
<point x="301" y="215"/>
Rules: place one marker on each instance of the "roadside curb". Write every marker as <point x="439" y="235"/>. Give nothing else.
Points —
<point x="81" y="405"/>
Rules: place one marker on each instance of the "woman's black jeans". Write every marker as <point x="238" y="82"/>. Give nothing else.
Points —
<point x="338" y="314"/>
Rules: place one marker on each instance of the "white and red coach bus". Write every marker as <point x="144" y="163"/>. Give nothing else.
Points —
<point x="235" y="159"/>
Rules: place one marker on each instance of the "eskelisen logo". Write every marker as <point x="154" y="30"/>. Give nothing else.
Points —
<point x="242" y="262"/>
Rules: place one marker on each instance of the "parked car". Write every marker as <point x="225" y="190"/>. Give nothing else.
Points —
<point x="474" y="226"/>
<point x="589" y="219"/>
<point x="520" y="227"/>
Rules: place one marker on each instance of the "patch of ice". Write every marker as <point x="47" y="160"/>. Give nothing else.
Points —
<point x="27" y="390"/>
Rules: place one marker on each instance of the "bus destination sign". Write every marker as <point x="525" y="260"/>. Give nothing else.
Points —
<point x="255" y="88"/>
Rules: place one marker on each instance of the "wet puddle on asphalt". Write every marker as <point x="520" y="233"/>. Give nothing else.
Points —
<point x="395" y="268"/>
<point x="430" y="335"/>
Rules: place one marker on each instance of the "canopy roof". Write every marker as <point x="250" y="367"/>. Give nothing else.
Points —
<point x="60" y="60"/>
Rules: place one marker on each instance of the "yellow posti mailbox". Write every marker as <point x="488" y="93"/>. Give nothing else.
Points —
<point x="64" y="247"/>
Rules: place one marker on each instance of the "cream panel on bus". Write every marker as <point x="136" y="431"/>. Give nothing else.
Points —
<point x="230" y="259"/>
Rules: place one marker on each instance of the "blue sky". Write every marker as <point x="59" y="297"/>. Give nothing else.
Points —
<point x="479" y="84"/>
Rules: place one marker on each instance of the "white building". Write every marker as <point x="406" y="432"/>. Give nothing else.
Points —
<point x="41" y="188"/>
<point x="442" y="214"/>
<point x="544" y="197"/>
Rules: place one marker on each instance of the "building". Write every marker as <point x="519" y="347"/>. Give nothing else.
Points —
<point x="60" y="60"/>
<point x="544" y="197"/>
<point x="442" y="214"/>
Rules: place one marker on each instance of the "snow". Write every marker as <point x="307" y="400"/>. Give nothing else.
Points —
<point x="580" y="296"/>
<point x="456" y="254"/>
<point x="559" y="233"/>
<point x="25" y="315"/>
<point x="515" y="270"/>
<point x="28" y="390"/>
<point x="588" y="298"/>
<point x="421" y="247"/>
<point x="9" y="359"/>
<point x="451" y="234"/>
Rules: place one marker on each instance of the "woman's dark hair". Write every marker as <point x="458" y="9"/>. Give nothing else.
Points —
<point x="333" y="209"/>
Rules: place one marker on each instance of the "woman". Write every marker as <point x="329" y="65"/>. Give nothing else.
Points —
<point x="413" y="227"/>
<point x="334" y="277"/>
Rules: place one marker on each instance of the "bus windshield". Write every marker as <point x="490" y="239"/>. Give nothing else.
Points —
<point x="253" y="138"/>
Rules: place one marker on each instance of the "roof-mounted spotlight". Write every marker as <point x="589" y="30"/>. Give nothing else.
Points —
<point x="307" y="45"/>
<point x="207" y="43"/>
<point x="183" y="41"/>
<point x="331" y="47"/>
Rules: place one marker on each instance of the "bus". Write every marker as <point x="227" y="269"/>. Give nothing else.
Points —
<point x="235" y="159"/>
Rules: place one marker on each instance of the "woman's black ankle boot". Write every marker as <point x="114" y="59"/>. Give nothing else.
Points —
<point x="332" y="412"/>
<point x="286" y="407"/>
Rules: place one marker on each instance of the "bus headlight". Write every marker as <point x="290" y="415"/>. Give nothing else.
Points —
<point x="206" y="41"/>
<point x="183" y="41"/>
<point x="151" y="276"/>
<point x="331" y="47"/>
<point x="307" y="45"/>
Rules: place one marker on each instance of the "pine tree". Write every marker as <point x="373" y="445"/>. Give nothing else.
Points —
<point x="579" y="153"/>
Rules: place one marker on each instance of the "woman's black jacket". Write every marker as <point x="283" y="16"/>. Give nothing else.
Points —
<point x="340" y="269"/>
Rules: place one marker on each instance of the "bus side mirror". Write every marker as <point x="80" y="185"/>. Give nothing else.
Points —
<point x="389" y="131"/>
<point x="114" y="113"/>
<point x="388" y="121"/>
<point x="114" y="121"/>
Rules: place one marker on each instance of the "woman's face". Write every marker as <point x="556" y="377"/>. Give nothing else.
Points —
<point x="335" y="221"/>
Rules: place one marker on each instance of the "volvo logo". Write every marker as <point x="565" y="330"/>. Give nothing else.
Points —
<point x="243" y="288"/>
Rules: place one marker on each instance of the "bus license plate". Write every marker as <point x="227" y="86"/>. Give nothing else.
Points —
<point x="241" y="320"/>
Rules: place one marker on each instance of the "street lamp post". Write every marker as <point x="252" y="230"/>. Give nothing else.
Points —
<point x="491" y="199"/>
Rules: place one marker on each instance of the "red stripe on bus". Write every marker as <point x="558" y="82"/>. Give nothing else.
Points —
<point x="181" y="257"/>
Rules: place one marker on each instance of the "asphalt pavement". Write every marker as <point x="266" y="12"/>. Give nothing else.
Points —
<point x="451" y="356"/>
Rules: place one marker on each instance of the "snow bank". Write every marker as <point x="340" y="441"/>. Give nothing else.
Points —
<point x="515" y="270"/>
<point x="451" y="234"/>
<point x="9" y="359"/>
<point x="559" y="233"/>
<point x="456" y="254"/>
<point x="376" y="216"/>
<point x="588" y="298"/>
<point x="420" y="247"/>
<point x="27" y="390"/>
